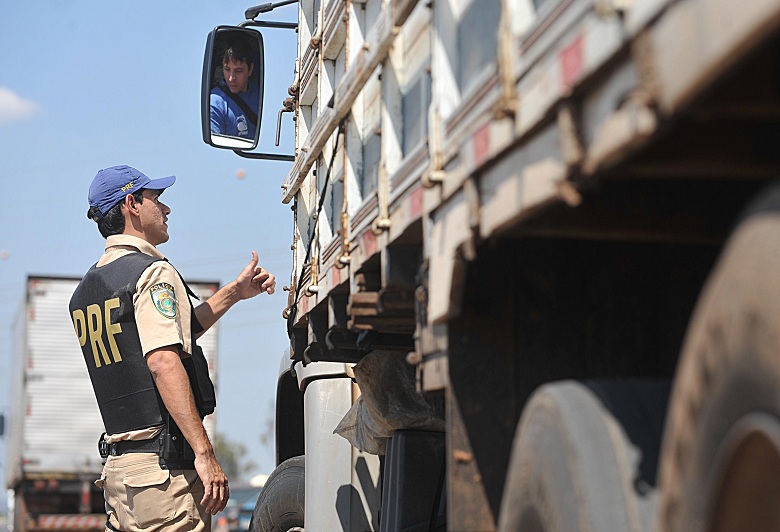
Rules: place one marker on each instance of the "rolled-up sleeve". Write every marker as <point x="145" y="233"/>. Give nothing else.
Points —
<point x="162" y="309"/>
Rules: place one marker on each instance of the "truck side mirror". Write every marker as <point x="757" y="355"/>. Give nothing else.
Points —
<point x="232" y="88"/>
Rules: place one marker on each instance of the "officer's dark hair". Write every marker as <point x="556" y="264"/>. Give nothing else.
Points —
<point x="113" y="223"/>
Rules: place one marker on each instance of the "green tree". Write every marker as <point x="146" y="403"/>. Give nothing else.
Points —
<point x="232" y="457"/>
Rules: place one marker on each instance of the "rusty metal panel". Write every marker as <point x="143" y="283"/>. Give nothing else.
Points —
<point x="526" y="177"/>
<point x="696" y="40"/>
<point x="467" y="504"/>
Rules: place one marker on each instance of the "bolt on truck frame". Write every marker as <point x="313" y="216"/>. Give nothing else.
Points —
<point x="561" y="213"/>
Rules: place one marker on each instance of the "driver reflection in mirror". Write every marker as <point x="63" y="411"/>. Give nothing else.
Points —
<point x="235" y="98"/>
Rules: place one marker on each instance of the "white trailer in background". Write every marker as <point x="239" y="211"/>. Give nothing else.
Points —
<point x="55" y="423"/>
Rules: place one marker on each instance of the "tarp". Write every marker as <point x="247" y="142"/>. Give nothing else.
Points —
<point x="388" y="401"/>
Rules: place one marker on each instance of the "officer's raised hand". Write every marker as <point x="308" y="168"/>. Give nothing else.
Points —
<point x="254" y="280"/>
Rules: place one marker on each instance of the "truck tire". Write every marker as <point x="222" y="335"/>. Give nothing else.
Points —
<point x="281" y="503"/>
<point x="584" y="458"/>
<point x="720" y="464"/>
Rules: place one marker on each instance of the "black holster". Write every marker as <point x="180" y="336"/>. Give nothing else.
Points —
<point x="197" y="368"/>
<point x="175" y="451"/>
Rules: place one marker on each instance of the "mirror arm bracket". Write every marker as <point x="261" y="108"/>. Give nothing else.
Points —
<point x="270" y="24"/>
<point x="266" y="156"/>
<point x="252" y="12"/>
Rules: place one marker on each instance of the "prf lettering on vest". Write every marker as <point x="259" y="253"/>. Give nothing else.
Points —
<point x="91" y="325"/>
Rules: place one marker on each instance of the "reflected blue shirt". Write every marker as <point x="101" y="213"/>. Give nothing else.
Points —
<point x="227" y="118"/>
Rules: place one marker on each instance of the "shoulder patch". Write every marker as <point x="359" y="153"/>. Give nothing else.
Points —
<point x="164" y="299"/>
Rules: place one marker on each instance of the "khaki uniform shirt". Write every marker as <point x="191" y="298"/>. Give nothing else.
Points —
<point x="154" y="328"/>
<point x="139" y="494"/>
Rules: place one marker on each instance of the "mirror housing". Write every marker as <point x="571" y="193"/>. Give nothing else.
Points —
<point x="227" y="119"/>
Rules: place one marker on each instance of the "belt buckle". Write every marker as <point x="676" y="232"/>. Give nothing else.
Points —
<point x="103" y="446"/>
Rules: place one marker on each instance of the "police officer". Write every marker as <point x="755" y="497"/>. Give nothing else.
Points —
<point x="138" y="331"/>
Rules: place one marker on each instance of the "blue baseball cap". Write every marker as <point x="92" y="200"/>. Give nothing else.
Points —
<point x="111" y="185"/>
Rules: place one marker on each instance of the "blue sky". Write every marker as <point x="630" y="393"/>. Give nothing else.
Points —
<point x="89" y="84"/>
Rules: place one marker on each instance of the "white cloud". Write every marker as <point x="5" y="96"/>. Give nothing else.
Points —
<point x="14" y="108"/>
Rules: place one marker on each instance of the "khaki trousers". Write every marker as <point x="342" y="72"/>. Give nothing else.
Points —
<point x="141" y="496"/>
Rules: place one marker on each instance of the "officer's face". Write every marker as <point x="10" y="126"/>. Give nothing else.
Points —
<point x="236" y="75"/>
<point x="154" y="217"/>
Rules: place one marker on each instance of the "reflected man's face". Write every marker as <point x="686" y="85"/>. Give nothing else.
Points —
<point x="236" y="75"/>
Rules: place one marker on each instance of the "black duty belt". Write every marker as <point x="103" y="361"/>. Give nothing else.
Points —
<point x="128" y="446"/>
<point x="174" y="450"/>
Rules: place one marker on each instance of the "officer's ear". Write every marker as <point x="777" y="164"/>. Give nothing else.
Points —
<point x="131" y="205"/>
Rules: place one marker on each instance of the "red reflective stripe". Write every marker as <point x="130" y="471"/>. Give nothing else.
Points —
<point x="416" y="203"/>
<point x="71" y="522"/>
<point x="572" y="62"/>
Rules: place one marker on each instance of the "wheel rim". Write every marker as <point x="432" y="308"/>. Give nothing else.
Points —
<point x="748" y="477"/>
